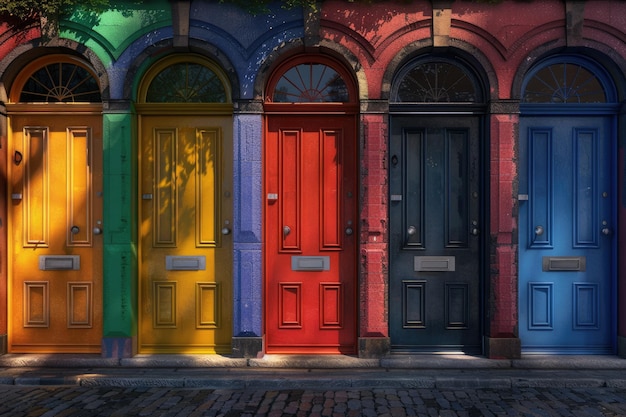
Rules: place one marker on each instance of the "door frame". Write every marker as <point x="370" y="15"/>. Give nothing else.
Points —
<point x="348" y="109"/>
<point x="478" y="109"/>
<point x="15" y="108"/>
<point x="610" y="109"/>
<point x="182" y="109"/>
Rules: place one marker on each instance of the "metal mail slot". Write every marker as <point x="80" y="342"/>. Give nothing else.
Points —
<point x="564" y="263"/>
<point x="434" y="263"/>
<point x="59" y="262"/>
<point x="185" y="263"/>
<point x="310" y="263"/>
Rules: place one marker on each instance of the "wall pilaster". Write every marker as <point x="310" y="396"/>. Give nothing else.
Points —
<point x="120" y="231"/>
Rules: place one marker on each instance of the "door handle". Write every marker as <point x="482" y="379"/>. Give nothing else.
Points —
<point x="286" y="230"/>
<point x="606" y="231"/>
<point x="411" y="230"/>
<point x="475" y="230"/>
<point x="538" y="230"/>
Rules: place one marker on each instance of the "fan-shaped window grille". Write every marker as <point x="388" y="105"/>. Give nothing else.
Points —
<point x="564" y="82"/>
<point x="310" y="83"/>
<point x="435" y="82"/>
<point x="61" y="82"/>
<point x="186" y="82"/>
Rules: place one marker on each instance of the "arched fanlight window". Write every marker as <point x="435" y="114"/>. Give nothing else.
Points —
<point x="435" y="81"/>
<point x="563" y="81"/>
<point x="60" y="82"/>
<point x="186" y="82"/>
<point x="310" y="83"/>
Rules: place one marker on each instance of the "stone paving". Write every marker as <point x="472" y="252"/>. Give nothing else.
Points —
<point x="74" y="401"/>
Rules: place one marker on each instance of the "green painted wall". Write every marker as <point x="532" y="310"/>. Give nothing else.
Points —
<point x="110" y="33"/>
<point x="120" y="225"/>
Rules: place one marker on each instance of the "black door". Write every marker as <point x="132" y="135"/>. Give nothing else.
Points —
<point x="435" y="232"/>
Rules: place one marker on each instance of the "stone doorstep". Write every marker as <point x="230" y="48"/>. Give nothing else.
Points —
<point x="454" y="362"/>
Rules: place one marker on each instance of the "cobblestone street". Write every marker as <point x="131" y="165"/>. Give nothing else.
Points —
<point x="73" y="401"/>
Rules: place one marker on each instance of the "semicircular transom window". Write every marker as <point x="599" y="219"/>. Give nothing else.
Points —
<point x="562" y="83"/>
<point x="311" y="83"/>
<point x="436" y="82"/>
<point x="186" y="82"/>
<point x="61" y="82"/>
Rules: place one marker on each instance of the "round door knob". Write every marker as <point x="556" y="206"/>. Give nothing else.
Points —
<point x="411" y="230"/>
<point x="97" y="230"/>
<point x="539" y="230"/>
<point x="74" y="230"/>
<point x="475" y="231"/>
<point x="349" y="231"/>
<point x="606" y="231"/>
<point x="225" y="231"/>
<point x="286" y="230"/>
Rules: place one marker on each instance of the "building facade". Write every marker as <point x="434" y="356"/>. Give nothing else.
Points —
<point x="342" y="178"/>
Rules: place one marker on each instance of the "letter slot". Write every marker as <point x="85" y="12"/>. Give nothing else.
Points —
<point x="185" y="263"/>
<point x="310" y="263"/>
<point x="59" y="262"/>
<point x="434" y="263"/>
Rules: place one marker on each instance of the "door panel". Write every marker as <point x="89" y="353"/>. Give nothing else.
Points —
<point x="56" y="250"/>
<point x="566" y="240"/>
<point x="186" y="261"/>
<point x="434" y="234"/>
<point x="310" y="232"/>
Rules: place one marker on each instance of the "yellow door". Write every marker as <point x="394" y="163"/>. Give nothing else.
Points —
<point x="186" y="247"/>
<point x="55" y="245"/>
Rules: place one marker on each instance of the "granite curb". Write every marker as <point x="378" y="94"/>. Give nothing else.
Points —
<point x="284" y="372"/>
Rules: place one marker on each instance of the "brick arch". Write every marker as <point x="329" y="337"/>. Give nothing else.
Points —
<point x="606" y="57"/>
<point x="164" y="48"/>
<point x="473" y="59"/>
<point x="12" y="65"/>
<point x="334" y="51"/>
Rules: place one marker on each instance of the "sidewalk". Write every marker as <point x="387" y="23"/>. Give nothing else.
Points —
<point x="273" y="372"/>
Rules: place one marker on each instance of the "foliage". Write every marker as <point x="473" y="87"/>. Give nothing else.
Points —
<point x="26" y="10"/>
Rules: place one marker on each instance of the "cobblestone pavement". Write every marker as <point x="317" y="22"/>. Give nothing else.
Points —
<point x="73" y="401"/>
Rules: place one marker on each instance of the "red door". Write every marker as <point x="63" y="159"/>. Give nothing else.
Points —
<point x="310" y="230"/>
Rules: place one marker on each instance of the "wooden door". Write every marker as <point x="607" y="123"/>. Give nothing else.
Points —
<point x="186" y="246"/>
<point x="56" y="249"/>
<point x="566" y="235"/>
<point x="311" y="234"/>
<point x="435" y="232"/>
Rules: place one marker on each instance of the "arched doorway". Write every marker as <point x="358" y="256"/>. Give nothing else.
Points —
<point x="55" y="209"/>
<point x="567" y="198"/>
<point x="436" y="221"/>
<point x="311" y="217"/>
<point x="185" y="208"/>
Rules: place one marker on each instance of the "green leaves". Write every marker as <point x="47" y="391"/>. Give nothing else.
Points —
<point x="25" y="10"/>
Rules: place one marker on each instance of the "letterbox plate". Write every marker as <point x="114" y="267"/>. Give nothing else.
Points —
<point x="185" y="263"/>
<point x="434" y="263"/>
<point x="310" y="263"/>
<point x="59" y="262"/>
<point x="564" y="263"/>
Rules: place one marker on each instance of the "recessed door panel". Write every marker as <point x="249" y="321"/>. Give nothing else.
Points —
<point x="434" y="234"/>
<point x="186" y="261"/>
<point x="310" y="230"/>
<point x="56" y="257"/>
<point x="566" y="235"/>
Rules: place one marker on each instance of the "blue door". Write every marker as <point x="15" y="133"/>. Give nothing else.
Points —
<point x="566" y="235"/>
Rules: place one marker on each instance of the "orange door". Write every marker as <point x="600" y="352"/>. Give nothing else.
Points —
<point x="186" y="260"/>
<point x="56" y="251"/>
<point x="311" y="225"/>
